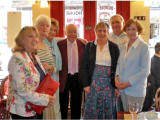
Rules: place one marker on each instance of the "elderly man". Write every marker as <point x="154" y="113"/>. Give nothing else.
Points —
<point x="120" y="38"/>
<point x="71" y="50"/>
<point x="117" y="36"/>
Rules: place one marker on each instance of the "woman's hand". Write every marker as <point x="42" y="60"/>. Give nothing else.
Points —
<point x="117" y="93"/>
<point x="51" y="100"/>
<point x="87" y="89"/>
<point x="117" y="83"/>
<point x="48" y="67"/>
<point x="121" y="85"/>
<point x="124" y="85"/>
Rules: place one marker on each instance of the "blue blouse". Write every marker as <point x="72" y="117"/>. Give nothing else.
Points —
<point x="133" y="67"/>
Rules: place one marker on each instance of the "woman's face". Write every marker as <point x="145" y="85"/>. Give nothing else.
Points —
<point x="132" y="32"/>
<point x="43" y="28"/>
<point x="30" y="41"/>
<point x="102" y="33"/>
<point x="117" y="25"/>
<point x="53" y="32"/>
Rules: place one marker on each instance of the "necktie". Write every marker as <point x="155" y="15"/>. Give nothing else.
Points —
<point x="73" y="64"/>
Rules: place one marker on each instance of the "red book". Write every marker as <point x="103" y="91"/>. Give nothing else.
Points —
<point x="47" y="86"/>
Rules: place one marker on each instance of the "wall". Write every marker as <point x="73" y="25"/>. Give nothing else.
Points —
<point x="13" y="27"/>
<point x="137" y="8"/>
<point x="36" y="11"/>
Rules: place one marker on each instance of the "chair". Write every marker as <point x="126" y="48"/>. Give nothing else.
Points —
<point x="157" y="99"/>
<point x="4" y="90"/>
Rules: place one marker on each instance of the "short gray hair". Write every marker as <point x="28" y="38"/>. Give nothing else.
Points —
<point x="41" y="18"/>
<point x="157" y="47"/>
<point x="117" y="15"/>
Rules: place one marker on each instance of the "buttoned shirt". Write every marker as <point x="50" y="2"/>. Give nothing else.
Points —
<point x="133" y="67"/>
<point x="72" y="46"/>
<point x="119" y="40"/>
<point x="103" y="56"/>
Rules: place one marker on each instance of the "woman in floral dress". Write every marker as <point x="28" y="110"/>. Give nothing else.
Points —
<point x="97" y="75"/>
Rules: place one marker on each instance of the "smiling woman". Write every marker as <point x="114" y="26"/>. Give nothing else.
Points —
<point x="27" y="73"/>
<point x="97" y="73"/>
<point x="135" y="55"/>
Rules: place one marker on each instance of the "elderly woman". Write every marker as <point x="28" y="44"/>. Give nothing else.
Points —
<point x="133" y="67"/>
<point x="50" y="57"/>
<point x="27" y="73"/>
<point x="97" y="73"/>
<point x="51" y="41"/>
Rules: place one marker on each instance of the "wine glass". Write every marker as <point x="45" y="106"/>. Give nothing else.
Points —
<point x="134" y="108"/>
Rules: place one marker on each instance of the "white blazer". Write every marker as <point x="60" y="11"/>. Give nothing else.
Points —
<point x="25" y="79"/>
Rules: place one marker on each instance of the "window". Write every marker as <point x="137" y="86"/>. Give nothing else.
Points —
<point x="5" y="7"/>
<point x="105" y="9"/>
<point x="74" y="15"/>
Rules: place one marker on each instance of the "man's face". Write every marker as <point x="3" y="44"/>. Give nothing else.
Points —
<point x="71" y="33"/>
<point x="117" y="25"/>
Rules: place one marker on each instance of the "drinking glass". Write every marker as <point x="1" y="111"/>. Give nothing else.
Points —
<point x="134" y="108"/>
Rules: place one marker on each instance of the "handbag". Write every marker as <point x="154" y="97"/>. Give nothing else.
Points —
<point x="47" y="86"/>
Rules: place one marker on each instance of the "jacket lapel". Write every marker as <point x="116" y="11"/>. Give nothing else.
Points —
<point x="93" y="53"/>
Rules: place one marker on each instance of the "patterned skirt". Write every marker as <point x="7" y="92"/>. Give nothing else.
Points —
<point x="100" y="103"/>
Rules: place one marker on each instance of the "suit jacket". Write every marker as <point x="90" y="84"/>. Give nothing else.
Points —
<point x="64" y="72"/>
<point x="25" y="79"/>
<point x="89" y="60"/>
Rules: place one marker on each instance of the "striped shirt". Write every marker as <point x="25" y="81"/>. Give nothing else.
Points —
<point x="46" y="56"/>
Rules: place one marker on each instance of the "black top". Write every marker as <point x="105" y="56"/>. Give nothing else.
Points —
<point x="42" y="74"/>
<point x="154" y="77"/>
<point x="89" y="59"/>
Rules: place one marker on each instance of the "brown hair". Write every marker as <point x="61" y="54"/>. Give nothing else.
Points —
<point x="101" y="24"/>
<point x="138" y="25"/>
<point x="157" y="47"/>
<point x="55" y="23"/>
<point x="20" y="37"/>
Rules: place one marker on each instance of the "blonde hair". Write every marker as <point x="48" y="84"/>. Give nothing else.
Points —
<point x="55" y="23"/>
<point x="41" y="18"/>
<point x="132" y="21"/>
<point x="19" y="47"/>
<point x="101" y="24"/>
<point x="117" y="15"/>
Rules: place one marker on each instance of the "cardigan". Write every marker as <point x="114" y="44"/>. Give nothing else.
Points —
<point x="89" y="60"/>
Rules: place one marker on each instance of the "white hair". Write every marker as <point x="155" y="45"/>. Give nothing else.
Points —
<point x="117" y="15"/>
<point x="41" y="18"/>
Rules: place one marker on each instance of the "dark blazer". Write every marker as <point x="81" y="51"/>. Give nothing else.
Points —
<point x="89" y="60"/>
<point x="154" y="77"/>
<point x="63" y="49"/>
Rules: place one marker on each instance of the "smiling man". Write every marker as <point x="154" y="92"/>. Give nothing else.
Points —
<point x="71" y="51"/>
<point x="117" y="36"/>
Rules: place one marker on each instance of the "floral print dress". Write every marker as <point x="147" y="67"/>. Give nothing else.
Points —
<point x="100" y="102"/>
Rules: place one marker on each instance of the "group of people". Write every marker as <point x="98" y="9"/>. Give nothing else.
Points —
<point x="112" y="70"/>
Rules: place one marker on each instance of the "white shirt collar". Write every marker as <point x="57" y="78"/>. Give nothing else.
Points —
<point x="71" y="42"/>
<point x="121" y="35"/>
<point x="95" y="42"/>
<point x="135" y="44"/>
